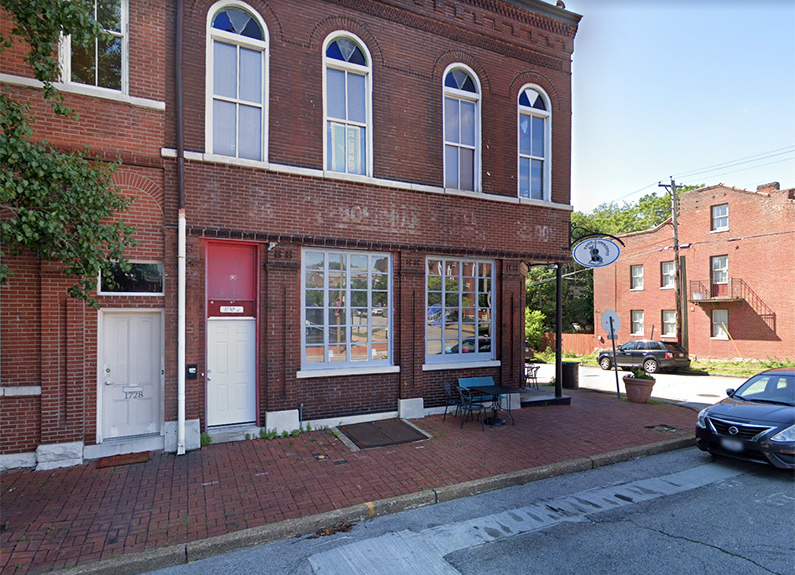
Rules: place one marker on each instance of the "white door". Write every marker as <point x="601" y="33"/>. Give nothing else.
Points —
<point x="231" y="365"/>
<point x="130" y="378"/>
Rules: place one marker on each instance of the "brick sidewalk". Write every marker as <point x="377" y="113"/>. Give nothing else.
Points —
<point x="67" y="517"/>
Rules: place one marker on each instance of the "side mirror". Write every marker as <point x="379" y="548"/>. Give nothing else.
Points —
<point x="730" y="391"/>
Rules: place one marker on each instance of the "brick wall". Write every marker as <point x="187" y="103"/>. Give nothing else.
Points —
<point x="759" y="244"/>
<point x="410" y="49"/>
<point x="410" y="44"/>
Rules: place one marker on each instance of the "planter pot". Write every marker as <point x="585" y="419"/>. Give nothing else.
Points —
<point x="638" y="390"/>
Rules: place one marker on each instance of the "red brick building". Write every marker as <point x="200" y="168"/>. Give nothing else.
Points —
<point x="337" y="207"/>
<point x="736" y="249"/>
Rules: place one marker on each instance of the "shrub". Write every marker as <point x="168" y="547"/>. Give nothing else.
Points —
<point x="638" y="373"/>
<point x="533" y="327"/>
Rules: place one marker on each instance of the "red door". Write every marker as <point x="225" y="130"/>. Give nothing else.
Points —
<point x="231" y="333"/>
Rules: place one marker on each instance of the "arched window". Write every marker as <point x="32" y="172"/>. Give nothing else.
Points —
<point x="461" y="129"/>
<point x="534" y="144"/>
<point x="237" y="64"/>
<point x="348" y="97"/>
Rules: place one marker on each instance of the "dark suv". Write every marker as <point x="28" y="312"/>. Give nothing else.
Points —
<point x="650" y="355"/>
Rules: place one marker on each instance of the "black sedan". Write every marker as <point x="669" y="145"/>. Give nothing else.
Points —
<point x="646" y="354"/>
<point x="756" y="422"/>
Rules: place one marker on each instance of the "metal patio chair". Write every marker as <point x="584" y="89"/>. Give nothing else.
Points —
<point x="452" y="399"/>
<point x="470" y="406"/>
<point x="531" y="376"/>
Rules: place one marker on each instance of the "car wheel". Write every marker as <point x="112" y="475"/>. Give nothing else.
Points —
<point x="604" y="363"/>
<point x="650" y="366"/>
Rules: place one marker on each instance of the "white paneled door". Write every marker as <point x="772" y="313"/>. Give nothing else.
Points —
<point x="130" y="379"/>
<point x="231" y="364"/>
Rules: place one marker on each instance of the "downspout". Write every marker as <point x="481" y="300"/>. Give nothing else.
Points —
<point x="181" y="288"/>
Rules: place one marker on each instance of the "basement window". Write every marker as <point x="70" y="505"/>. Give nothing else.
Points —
<point x="143" y="278"/>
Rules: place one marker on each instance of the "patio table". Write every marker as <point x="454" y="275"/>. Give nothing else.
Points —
<point x="496" y="391"/>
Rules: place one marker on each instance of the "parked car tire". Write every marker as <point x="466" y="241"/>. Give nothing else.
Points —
<point x="605" y="363"/>
<point x="650" y="366"/>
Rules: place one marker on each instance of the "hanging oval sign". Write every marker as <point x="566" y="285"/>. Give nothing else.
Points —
<point x="596" y="252"/>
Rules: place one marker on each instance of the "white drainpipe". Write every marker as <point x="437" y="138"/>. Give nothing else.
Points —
<point x="181" y="334"/>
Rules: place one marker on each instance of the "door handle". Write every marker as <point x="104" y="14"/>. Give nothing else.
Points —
<point x="108" y="383"/>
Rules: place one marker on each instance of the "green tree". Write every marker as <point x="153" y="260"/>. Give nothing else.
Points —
<point x="577" y="296"/>
<point x="608" y="218"/>
<point x="59" y="206"/>
<point x="533" y="327"/>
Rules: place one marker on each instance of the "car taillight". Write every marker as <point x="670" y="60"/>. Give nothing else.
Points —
<point x="669" y="355"/>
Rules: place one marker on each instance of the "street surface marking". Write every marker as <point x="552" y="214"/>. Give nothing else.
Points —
<point x="422" y="553"/>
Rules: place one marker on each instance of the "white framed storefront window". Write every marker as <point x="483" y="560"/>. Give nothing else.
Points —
<point x="346" y="309"/>
<point x="459" y="310"/>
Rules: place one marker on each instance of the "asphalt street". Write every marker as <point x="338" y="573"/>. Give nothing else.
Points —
<point x="678" y="512"/>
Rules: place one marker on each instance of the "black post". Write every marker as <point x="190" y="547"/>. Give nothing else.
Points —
<point x="558" y="330"/>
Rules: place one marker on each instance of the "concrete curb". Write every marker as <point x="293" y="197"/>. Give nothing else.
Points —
<point x="197" y="550"/>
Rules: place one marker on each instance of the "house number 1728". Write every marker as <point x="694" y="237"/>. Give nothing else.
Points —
<point x="133" y="395"/>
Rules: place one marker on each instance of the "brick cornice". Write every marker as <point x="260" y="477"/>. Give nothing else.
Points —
<point x="434" y="26"/>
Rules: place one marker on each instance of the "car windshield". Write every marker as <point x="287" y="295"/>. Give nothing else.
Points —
<point x="769" y="388"/>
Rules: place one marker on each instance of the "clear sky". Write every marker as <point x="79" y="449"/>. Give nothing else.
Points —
<point x="701" y="90"/>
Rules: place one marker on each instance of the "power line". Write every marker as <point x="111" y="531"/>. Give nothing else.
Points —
<point x="731" y="163"/>
<point x="738" y="162"/>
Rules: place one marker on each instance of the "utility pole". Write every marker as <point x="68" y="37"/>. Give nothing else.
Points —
<point x="677" y="267"/>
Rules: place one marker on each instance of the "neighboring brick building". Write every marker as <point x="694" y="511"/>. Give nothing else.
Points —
<point x="736" y="251"/>
<point x="359" y="187"/>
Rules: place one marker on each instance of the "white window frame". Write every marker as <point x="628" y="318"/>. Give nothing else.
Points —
<point x="716" y="221"/>
<point x="668" y="318"/>
<point x="349" y="322"/>
<point x="636" y="279"/>
<point x="240" y="41"/>
<point x="718" y="317"/>
<point x="721" y="271"/>
<point x="461" y="357"/>
<point x="468" y="97"/>
<point x="667" y="275"/>
<point x="100" y="291"/>
<point x="637" y="326"/>
<point x="546" y="190"/>
<point x="349" y="68"/>
<point x="65" y="57"/>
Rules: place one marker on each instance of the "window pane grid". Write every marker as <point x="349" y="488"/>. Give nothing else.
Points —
<point x="101" y="63"/>
<point x="346" y="108"/>
<point x="669" y="322"/>
<point x="460" y="131"/>
<point x="667" y="275"/>
<point x="637" y="322"/>
<point x="720" y="217"/>
<point x="347" y="320"/>
<point x="636" y="277"/>
<point x="458" y="309"/>
<point x="238" y="82"/>
<point x="532" y="145"/>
